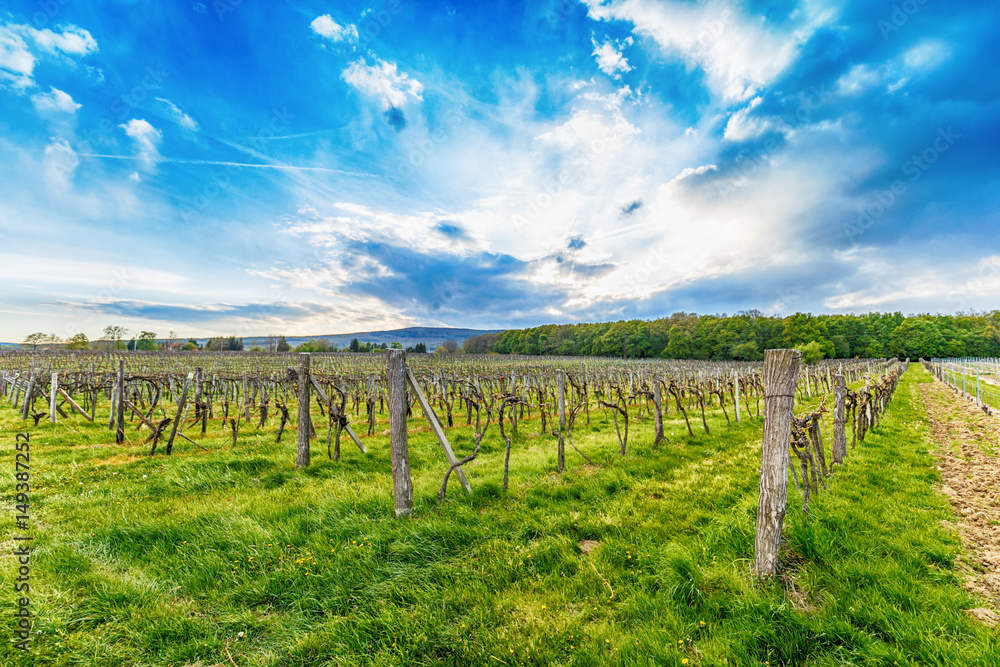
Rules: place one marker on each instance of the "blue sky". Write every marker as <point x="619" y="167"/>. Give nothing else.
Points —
<point x="306" y="167"/>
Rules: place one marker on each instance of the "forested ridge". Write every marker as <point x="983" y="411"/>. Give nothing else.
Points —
<point x="747" y="334"/>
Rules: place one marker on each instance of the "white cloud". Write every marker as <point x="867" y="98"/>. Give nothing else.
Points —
<point x="610" y="60"/>
<point x="179" y="116"/>
<point x="54" y="100"/>
<point x="61" y="162"/>
<point x="16" y="61"/>
<point x="742" y="125"/>
<point x="858" y="79"/>
<point x="927" y="55"/>
<point x="325" y="26"/>
<point x="17" y="58"/>
<point x="146" y="139"/>
<point x="740" y="54"/>
<point x="693" y="171"/>
<point x="383" y="81"/>
<point x="72" y="40"/>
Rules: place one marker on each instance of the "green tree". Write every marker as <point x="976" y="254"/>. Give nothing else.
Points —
<point x="747" y="351"/>
<point x="34" y="340"/>
<point x="355" y="346"/>
<point x="802" y="328"/>
<point x="78" y="342"/>
<point x="115" y="334"/>
<point x="282" y="345"/>
<point x="146" y="341"/>
<point x="811" y="352"/>
<point x="316" y="345"/>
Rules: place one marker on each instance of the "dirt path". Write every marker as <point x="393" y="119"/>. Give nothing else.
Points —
<point x="968" y="446"/>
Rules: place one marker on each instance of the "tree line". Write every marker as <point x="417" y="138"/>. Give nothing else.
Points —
<point x="745" y="336"/>
<point x="116" y="338"/>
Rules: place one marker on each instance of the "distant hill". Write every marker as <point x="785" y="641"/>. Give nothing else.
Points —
<point x="430" y="336"/>
<point x="3" y="345"/>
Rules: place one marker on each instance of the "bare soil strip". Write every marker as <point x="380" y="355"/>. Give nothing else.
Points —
<point x="968" y="444"/>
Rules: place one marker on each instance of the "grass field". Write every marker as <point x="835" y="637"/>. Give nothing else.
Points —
<point x="233" y="557"/>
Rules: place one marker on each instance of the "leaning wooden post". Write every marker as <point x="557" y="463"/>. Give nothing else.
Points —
<point x="120" y="404"/>
<point x="781" y="370"/>
<point x="53" y="393"/>
<point x="179" y="416"/>
<point x="402" y="485"/>
<point x="839" y="417"/>
<point x="561" y="395"/>
<point x="305" y="423"/>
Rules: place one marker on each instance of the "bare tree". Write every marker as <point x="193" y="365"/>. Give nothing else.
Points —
<point x="34" y="340"/>
<point x="115" y="334"/>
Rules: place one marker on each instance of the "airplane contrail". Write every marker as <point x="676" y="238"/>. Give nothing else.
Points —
<point x="224" y="163"/>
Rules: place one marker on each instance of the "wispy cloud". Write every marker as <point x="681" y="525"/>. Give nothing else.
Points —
<point x="54" y="100"/>
<point x="146" y="139"/>
<point x="325" y="26"/>
<point x="179" y="116"/>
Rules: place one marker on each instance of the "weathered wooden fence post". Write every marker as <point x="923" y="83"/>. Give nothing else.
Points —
<point x="53" y="394"/>
<point x="657" y="411"/>
<point x="839" y="417"/>
<point x="736" y="393"/>
<point x="120" y="404"/>
<point x="781" y="370"/>
<point x="304" y="422"/>
<point x="28" y="394"/>
<point x="561" y="398"/>
<point x="402" y="485"/>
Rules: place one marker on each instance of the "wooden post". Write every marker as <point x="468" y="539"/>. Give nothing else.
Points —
<point x="73" y="404"/>
<point x="839" y="417"/>
<point x="781" y="369"/>
<point x="435" y="423"/>
<point x="180" y="412"/>
<point x="561" y="397"/>
<point x="657" y="411"/>
<point x="402" y="485"/>
<point x="120" y="404"/>
<point x="736" y="393"/>
<point x="53" y="394"/>
<point x="29" y="392"/>
<point x="304" y="422"/>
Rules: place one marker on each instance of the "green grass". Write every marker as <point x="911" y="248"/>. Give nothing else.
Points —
<point x="166" y="560"/>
